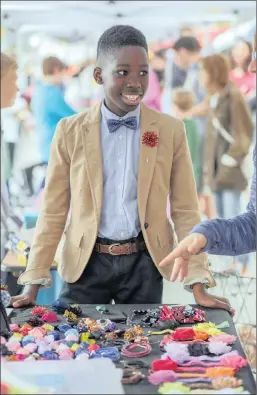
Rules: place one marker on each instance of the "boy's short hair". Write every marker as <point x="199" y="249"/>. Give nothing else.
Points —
<point x="120" y="36"/>
<point x="184" y="99"/>
<point x="187" y="42"/>
<point x="218" y="68"/>
<point x="52" y="63"/>
<point x="7" y="63"/>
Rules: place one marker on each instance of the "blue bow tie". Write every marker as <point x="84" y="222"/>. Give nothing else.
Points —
<point x="115" y="124"/>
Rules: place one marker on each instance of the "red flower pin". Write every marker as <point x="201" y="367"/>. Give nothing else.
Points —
<point x="150" y="139"/>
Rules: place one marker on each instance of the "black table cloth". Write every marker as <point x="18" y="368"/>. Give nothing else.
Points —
<point x="117" y="312"/>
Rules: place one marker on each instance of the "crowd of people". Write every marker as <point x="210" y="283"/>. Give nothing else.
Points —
<point x="212" y="97"/>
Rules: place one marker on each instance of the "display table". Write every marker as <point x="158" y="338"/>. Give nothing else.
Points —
<point x="216" y="316"/>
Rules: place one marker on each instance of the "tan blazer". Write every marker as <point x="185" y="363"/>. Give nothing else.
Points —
<point x="75" y="181"/>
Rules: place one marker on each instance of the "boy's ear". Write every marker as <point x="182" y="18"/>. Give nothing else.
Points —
<point x="98" y="75"/>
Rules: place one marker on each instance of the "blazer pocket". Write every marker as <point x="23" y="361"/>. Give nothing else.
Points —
<point x="72" y="251"/>
<point x="165" y="239"/>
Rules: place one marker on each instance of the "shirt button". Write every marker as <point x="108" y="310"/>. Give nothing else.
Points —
<point x="146" y="225"/>
<point x="119" y="161"/>
<point x="122" y="234"/>
<point x="120" y="137"/>
<point x="121" y="211"/>
<point x="119" y="186"/>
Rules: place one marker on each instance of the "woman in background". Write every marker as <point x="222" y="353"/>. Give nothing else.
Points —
<point x="240" y="75"/>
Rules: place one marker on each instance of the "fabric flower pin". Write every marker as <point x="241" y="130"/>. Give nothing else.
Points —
<point x="150" y="139"/>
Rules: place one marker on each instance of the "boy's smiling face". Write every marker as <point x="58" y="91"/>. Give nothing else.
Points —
<point x="124" y="76"/>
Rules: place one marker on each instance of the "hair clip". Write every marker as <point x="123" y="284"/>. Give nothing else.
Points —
<point x="59" y="306"/>
<point x="226" y="382"/>
<point x="173" y="388"/>
<point x="37" y="333"/>
<point x="136" y="363"/>
<point x="223" y="337"/>
<point x="133" y="332"/>
<point x="14" y="328"/>
<point x="70" y="317"/>
<point x="126" y="350"/>
<point x="49" y="316"/>
<point x="38" y="311"/>
<point x="102" y="309"/>
<point x="64" y="327"/>
<point x="76" y="309"/>
<point x="50" y="355"/>
<point x="151" y="333"/>
<point x="211" y="328"/>
<point x="48" y="328"/>
<point x="184" y="352"/>
<point x="208" y="373"/>
<point x="108" y="352"/>
<point x="183" y="334"/>
<point x="233" y="361"/>
<point x="83" y="348"/>
<point x="131" y="376"/>
<point x="35" y="321"/>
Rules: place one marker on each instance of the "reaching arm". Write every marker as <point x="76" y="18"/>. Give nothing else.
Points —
<point x="184" y="205"/>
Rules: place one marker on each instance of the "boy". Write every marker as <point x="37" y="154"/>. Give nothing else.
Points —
<point x="114" y="167"/>
<point x="183" y="101"/>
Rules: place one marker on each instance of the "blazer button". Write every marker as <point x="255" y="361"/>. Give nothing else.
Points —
<point x="146" y="225"/>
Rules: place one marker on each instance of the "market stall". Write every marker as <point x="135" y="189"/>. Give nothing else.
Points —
<point x="144" y="320"/>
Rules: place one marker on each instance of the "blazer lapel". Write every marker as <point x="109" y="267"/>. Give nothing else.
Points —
<point x="147" y="158"/>
<point x="93" y="156"/>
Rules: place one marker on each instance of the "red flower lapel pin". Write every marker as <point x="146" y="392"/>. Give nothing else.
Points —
<point x="150" y="139"/>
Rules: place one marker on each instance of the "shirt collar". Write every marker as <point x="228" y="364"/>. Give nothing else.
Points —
<point x="107" y="114"/>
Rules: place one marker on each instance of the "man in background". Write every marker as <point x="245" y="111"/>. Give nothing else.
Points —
<point x="184" y="54"/>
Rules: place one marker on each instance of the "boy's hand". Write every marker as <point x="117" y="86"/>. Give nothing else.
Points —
<point x="28" y="297"/>
<point x="214" y="302"/>
<point x="191" y="245"/>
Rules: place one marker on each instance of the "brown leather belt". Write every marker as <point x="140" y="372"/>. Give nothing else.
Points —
<point x="120" y="249"/>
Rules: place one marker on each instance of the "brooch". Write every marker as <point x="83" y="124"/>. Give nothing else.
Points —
<point x="150" y="139"/>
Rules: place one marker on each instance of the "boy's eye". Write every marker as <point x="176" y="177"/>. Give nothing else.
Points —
<point x="122" y="72"/>
<point x="143" y="73"/>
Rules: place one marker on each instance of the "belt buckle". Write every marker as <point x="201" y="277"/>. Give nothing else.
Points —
<point x="111" y="247"/>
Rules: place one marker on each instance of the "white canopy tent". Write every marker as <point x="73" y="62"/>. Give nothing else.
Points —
<point x="88" y="19"/>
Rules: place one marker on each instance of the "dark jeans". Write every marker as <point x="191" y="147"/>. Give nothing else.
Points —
<point x="126" y="279"/>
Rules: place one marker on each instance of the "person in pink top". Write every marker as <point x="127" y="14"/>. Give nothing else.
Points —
<point x="242" y="78"/>
<point x="153" y="95"/>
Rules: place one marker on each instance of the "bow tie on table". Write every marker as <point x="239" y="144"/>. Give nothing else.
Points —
<point x="115" y="124"/>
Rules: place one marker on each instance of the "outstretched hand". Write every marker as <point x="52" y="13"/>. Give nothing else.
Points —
<point x="191" y="245"/>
